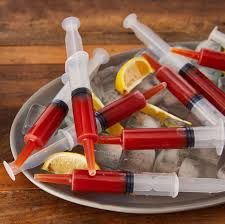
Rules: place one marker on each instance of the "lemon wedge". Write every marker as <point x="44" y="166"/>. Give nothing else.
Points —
<point x="131" y="74"/>
<point x="65" y="163"/>
<point x="165" y="118"/>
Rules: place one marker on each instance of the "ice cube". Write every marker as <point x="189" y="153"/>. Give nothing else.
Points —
<point x="108" y="156"/>
<point x="221" y="172"/>
<point x="137" y="160"/>
<point x="207" y="155"/>
<point x="141" y="120"/>
<point x="170" y="100"/>
<point x="197" y="168"/>
<point x="169" y="160"/>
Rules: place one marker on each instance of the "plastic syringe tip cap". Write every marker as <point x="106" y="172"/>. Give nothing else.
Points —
<point x="153" y="62"/>
<point x="187" y="53"/>
<point x="101" y="54"/>
<point x="154" y="90"/>
<point x="70" y="22"/>
<point x="65" y="179"/>
<point x="25" y="153"/>
<point x="89" y="152"/>
<point x="11" y="169"/>
<point x="129" y="20"/>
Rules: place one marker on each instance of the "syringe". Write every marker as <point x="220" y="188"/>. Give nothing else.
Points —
<point x="65" y="139"/>
<point x="118" y="182"/>
<point x="51" y="118"/>
<point x="204" y="111"/>
<point x="83" y="112"/>
<point x="170" y="138"/>
<point x="39" y="134"/>
<point x="161" y="50"/>
<point x="205" y="57"/>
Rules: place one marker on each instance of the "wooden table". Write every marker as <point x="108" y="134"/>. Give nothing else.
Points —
<point x="32" y="54"/>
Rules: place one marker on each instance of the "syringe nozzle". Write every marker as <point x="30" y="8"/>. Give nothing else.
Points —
<point x="154" y="90"/>
<point x="25" y="153"/>
<point x="187" y="53"/>
<point x="153" y="62"/>
<point x="89" y="152"/>
<point x="65" y="179"/>
<point x="71" y="23"/>
<point x="129" y="20"/>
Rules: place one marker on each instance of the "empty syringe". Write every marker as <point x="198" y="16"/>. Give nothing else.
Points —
<point x="149" y="184"/>
<point x="204" y="111"/>
<point x="170" y="138"/>
<point x="188" y="71"/>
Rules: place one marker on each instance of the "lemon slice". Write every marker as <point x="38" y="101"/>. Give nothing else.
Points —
<point x="131" y="74"/>
<point x="65" y="163"/>
<point x="169" y="120"/>
<point x="97" y="103"/>
<point x="116" y="129"/>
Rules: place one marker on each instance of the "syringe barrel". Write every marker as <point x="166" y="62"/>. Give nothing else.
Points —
<point x="210" y="137"/>
<point x="176" y="85"/>
<point x="204" y="86"/>
<point x="73" y="39"/>
<point x="154" y="184"/>
<point x="103" y="181"/>
<point x="47" y="123"/>
<point x="84" y="117"/>
<point x="120" y="109"/>
<point x="77" y="69"/>
<point x="205" y="112"/>
<point x="63" y="94"/>
<point x="156" y="138"/>
<point x="212" y="59"/>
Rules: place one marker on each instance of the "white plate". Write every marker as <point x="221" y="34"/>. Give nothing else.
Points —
<point x="121" y="203"/>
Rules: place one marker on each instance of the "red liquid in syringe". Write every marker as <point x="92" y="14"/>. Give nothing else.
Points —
<point x="125" y="106"/>
<point x="205" y="57"/>
<point x="151" y="138"/>
<point x="43" y="129"/>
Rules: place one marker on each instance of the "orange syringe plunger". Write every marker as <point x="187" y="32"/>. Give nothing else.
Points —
<point x="205" y="57"/>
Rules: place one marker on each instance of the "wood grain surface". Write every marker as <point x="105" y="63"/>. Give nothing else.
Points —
<point x="32" y="54"/>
